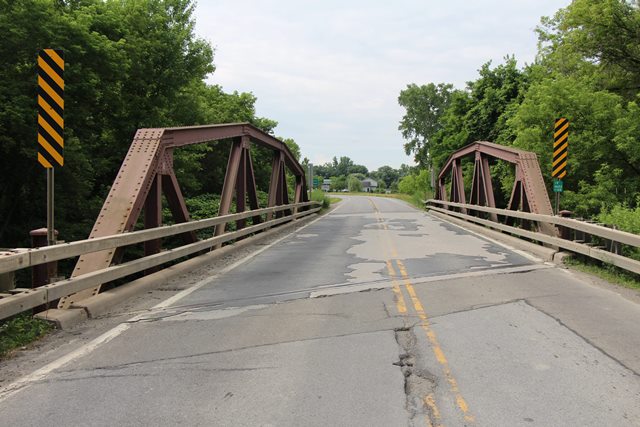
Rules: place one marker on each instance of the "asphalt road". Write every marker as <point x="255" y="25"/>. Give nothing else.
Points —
<point x="374" y="315"/>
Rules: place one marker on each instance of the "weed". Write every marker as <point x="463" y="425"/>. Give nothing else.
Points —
<point x="605" y="271"/>
<point x="21" y="330"/>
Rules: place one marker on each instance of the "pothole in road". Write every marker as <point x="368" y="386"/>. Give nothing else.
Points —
<point x="419" y="384"/>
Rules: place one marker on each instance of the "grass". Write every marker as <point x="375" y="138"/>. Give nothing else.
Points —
<point x="19" y="331"/>
<point x="608" y="272"/>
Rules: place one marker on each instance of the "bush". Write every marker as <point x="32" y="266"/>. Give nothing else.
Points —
<point x="416" y="186"/>
<point x="355" y="186"/>
<point x="625" y="219"/>
<point x="320" y="196"/>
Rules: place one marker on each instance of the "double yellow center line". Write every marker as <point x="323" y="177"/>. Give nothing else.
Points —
<point x="425" y="325"/>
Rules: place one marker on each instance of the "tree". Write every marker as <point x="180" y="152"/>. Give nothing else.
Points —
<point x="440" y="119"/>
<point x="601" y="130"/>
<point x="338" y="183"/>
<point x="407" y="185"/>
<point x="598" y="38"/>
<point x="424" y="107"/>
<point x="354" y="183"/>
<point x="387" y="175"/>
<point x="130" y="64"/>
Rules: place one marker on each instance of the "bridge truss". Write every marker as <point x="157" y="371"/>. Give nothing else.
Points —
<point x="147" y="174"/>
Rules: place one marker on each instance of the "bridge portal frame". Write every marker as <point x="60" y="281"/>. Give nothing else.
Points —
<point x="529" y="193"/>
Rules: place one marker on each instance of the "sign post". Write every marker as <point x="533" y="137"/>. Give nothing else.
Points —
<point x="560" y="151"/>
<point x="310" y="178"/>
<point x="50" y="123"/>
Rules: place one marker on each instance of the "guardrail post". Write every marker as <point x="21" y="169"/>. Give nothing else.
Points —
<point x="7" y="280"/>
<point x="565" y="232"/>
<point x="615" y="247"/>
<point x="40" y="274"/>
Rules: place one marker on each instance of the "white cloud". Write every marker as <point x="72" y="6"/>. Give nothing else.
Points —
<point x="330" y="72"/>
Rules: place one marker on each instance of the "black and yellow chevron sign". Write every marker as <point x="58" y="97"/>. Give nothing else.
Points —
<point x="51" y="108"/>
<point x="560" y="149"/>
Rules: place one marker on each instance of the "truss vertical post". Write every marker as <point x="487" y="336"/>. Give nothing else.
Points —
<point x="230" y="177"/>
<point x="153" y="218"/>
<point x="457" y="185"/>
<point x="241" y="182"/>
<point x="476" y="197"/>
<point x="153" y="214"/>
<point x="275" y="196"/>
<point x="298" y="193"/>
<point x="284" y="189"/>
<point x="251" y="187"/>
<point x="487" y="186"/>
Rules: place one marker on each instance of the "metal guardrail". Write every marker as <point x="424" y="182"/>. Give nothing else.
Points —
<point x="598" y="253"/>
<point x="26" y="299"/>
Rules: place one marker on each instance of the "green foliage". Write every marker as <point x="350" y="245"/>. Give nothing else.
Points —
<point x="407" y="185"/>
<point x="320" y="196"/>
<point x="599" y="172"/>
<point x="424" y="106"/>
<point x="343" y="167"/>
<point x="415" y="183"/>
<point x="417" y="187"/>
<point x="598" y="39"/>
<point x="625" y="219"/>
<point x="20" y="331"/>
<point x="354" y="184"/>
<point x="203" y="206"/>
<point x="338" y="183"/>
<point x="386" y="175"/>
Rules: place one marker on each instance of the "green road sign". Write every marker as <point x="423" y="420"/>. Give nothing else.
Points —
<point x="316" y="181"/>
<point x="557" y="186"/>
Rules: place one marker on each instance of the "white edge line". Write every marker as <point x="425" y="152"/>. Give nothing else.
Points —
<point x="520" y="252"/>
<point x="45" y="370"/>
<point x="23" y="382"/>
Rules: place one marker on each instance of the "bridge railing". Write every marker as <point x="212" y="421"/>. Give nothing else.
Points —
<point x="570" y="228"/>
<point x="22" y="299"/>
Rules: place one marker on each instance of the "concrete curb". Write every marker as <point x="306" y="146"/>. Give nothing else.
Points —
<point x="100" y="304"/>
<point x="558" y="257"/>
<point x="63" y="319"/>
<point x="546" y="254"/>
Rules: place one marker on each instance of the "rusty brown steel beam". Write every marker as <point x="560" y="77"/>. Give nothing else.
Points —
<point x="284" y="187"/>
<point x="233" y="166"/>
<point x="274" y="182"/>
<point x="153" y="215"/>
<point x="498" y="151"/>
<point x="241" y="181"/>
<point x="123" y="205"/>
<point x="252" y="193"/>
<point x="177" y="137"/>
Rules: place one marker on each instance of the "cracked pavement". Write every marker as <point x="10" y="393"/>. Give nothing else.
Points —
<point x="375" y="315"/>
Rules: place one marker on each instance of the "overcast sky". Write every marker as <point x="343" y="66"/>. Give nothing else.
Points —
<point x="330" y="71"/>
